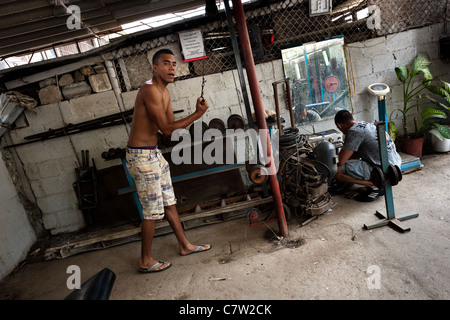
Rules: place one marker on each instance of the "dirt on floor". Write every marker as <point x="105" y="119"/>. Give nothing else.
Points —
<point x="332" y="257"/>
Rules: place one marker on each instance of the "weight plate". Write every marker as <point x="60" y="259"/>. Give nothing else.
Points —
<point x="399" y="172"/>
<point x="253" y="214"/>
<point x="204" y="128"/>
<point x="258" y="174"/>
<point x="235" y="121"/>
<point x="394" y="175"/>
<point x="217" y="123"/>
<point x="377" y="177"/>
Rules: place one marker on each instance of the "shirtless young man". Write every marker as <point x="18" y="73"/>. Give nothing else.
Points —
<point x="150" y="171"/>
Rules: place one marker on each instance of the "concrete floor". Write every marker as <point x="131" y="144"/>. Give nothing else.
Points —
<point x="327" y="259"/>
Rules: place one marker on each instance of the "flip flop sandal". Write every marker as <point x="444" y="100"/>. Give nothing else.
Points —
<point x="198" y="249"/>
<point x="153" y="267"/>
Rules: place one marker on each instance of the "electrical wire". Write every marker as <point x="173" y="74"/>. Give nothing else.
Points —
<point x="291" y="137"/>
<point x="78" y="163"/>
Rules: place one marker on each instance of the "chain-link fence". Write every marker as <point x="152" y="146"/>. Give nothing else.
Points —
<point x="278" y="25"/>
<point x="400" y="15"/>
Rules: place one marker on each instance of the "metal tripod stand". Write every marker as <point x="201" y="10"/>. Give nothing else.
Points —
<point x="390" y="220"/>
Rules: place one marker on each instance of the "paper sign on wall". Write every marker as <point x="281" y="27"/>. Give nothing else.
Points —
<point x="192" y="46"/>
<point x="319" y="7"/>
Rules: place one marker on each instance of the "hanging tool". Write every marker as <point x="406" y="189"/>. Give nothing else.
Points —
<point x="203" y="83"/>
<point x="203" y="75"/>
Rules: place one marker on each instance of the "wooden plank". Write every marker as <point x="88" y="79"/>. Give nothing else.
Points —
<point x="107" y="237"/>
<point x="230" y="200"/>
<point x="52" y="72"/>
<point x="229" y="208"/>
<point x="63" y="251"/>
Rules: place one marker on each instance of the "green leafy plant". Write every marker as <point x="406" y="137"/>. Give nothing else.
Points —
<point x="440" y="131"/>
<point x="417" y="94"/>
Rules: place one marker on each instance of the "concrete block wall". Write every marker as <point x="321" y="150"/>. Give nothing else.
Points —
<point x="223" y="92"/>
<point x="50" y="165"/>
<point x="374" y="61"/>
<point x="16" y="233"/>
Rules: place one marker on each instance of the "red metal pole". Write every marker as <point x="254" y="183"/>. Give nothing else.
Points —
<point x="244" y="39"/>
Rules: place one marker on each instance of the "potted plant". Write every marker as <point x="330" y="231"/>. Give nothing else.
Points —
<point x="418" y="93"/>
<point x="439" y="142"/>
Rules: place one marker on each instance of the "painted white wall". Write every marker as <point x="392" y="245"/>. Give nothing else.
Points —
<point x="374" y="61"/>
<point x="16" y="233"/>
<point x="50" y="165"/>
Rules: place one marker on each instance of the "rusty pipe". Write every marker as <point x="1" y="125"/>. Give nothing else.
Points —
<point x="244" y="39"/>
<point x="289" y="102"/>
<point x="277" y="108"/>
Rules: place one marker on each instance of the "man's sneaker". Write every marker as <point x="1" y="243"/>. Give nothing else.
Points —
<point x="370" y="195"/>
<point x="337" y="187"/>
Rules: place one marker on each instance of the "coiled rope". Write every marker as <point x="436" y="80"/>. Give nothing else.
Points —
<point x="21" y="99"/>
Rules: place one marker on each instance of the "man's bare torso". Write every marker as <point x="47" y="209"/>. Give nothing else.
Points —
<point x="144" y="130"/>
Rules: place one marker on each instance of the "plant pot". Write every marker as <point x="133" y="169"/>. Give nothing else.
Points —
<point x="438" y="145"/>
<point x="411" y="146"/>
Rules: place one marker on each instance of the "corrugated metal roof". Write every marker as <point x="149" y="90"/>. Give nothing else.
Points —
<point x="28" y="26"/>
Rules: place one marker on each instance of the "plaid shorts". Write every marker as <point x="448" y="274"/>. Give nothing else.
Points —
<point x="151" y="175"/>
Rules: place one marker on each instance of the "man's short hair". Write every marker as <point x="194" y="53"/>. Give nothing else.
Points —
<point x="159" y="53"/>
<point x="343" y="116"/>
<point x="301" y="107"/>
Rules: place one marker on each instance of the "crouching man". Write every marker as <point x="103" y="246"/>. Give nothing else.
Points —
<point x="360" y="153"/>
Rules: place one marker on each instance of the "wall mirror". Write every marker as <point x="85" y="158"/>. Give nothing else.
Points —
<point x="318" y="80"/>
